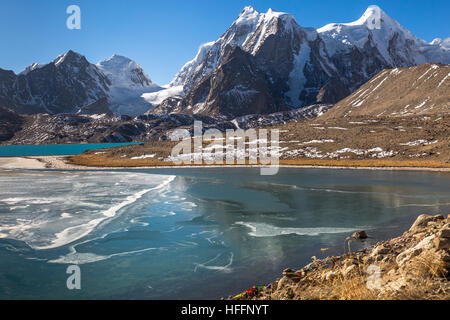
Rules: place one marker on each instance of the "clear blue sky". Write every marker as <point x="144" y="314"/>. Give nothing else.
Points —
<point x="163" y="35"/>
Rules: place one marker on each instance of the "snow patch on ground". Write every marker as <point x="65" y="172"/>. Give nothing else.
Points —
<point x="314" y="153"/>
<point x="146" y="156"/>
<point x="317" y="141"/>
<point x="419" y="142"/>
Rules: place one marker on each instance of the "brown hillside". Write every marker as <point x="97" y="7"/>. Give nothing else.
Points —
<point x="400" y="92"/>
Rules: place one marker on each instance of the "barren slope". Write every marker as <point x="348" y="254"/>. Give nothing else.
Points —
<point x="400" y="92"/>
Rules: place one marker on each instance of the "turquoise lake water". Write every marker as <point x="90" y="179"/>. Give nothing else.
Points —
<point x="54" y="150"/>
<point x="192" y="233"/>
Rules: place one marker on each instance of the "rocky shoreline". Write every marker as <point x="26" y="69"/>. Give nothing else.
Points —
<point x="414" y="266"/>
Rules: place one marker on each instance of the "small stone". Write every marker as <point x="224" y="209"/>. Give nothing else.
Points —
<point x="349" y="270"/>
<point x="291" y="274"/>
<point x="368" y="259"/>
<point x="442" y="243"/>
<point x="288" y="270"/>
<point x="330" y="275"/>
<point x="361" y="234"/>
<point x="410" y="253"/>
<point x="381" y="249"/>
<point x="378" y="257"/>
<point x="282" y="283"/>
<point x="444" y="233"/>
<point x="290" y="293"/>
<point x="350" y="262"/>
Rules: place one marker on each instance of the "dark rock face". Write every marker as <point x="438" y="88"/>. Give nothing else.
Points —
<point x="359" y="65"/>
<point x="333" y="91"/>
<point x="234" y="89"/>
<point x="168" y="106"/>
<point x="7" y="81"/>
<point x="98" y="107"/>
<point x="10" y="123"/>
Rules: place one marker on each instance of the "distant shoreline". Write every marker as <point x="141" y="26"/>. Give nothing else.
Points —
<point x="59" y="163"/>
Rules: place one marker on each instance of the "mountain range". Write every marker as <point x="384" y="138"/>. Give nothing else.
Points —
<point x="264" y="63"/>
<point x="267" y="62"/>
<point x="71" y="84"/>
<point x="398" y="118"/>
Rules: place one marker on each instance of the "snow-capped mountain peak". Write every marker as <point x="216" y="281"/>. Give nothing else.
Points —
<point x="128" y="82"/>
<point x="443" y="43"/>
<point x="271" y="14"/>
<point x="124" y="72"/>
<point x="70" y="57"/>
<point x="32" y="67"/>
<point x="71" y="84"/>
<point x="248" y="16"/>
<point x="379" y="31"/>
<point x="373" y="18"/>
<point x="301" y="65"/>
<point x="248" y="31"/>
<point x="370" y="16"/>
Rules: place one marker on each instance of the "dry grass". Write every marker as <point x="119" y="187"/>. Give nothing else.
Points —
<point x="356" y="289"/>
<point x="90" y="160"/>
<point x="340" y="288"/>
<point x="93" y="160"/>
<point x="425" y="279"/>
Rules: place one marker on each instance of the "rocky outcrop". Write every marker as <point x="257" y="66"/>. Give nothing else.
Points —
<point x="99" y="107"/>
<point x="280" y="118"/>
<point x="415" y="265"/>
<point x="334" y="90"/>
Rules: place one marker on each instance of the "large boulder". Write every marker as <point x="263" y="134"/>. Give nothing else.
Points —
<point x="423" y="220"/>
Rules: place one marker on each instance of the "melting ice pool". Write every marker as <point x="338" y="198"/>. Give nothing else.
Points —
<point x="191" y="233"/>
